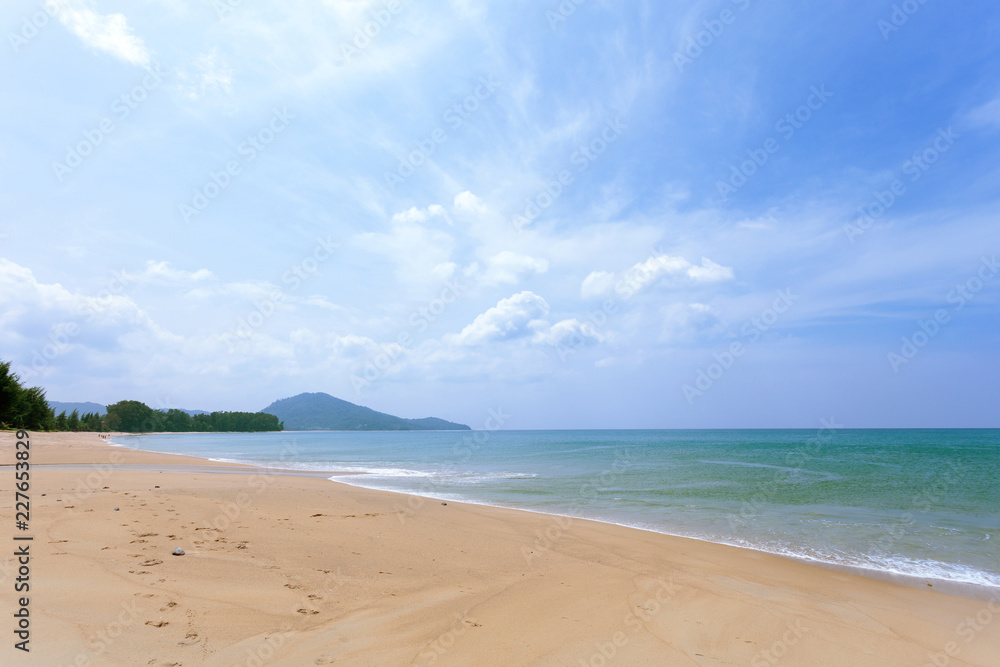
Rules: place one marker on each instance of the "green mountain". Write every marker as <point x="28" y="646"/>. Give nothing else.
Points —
<point x="320" y="412"/>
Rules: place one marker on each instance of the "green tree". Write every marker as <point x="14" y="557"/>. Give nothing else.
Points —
<point x="91" y="421"/>
<point x="33" y="410"/>
<point x="10" y="387"/>
<point x="21" y="407"/>
<point x="131" y="416"/>
<point x="177" y="421"/>
<point x="61" y="421"/>
<point x="201" y="423"/>
<point x="244" y="422"/>
<point x="73" y="421"/>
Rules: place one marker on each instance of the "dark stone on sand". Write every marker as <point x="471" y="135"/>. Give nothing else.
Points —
<point x="178" y="551"/>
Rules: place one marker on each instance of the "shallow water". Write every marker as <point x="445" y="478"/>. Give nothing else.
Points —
<point x="924" y="503"/>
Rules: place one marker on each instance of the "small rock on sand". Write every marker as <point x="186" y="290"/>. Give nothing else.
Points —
<point x="178" y="551"/>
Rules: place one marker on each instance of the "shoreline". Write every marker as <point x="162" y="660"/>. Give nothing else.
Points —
<point x="949" y="586"/>
<point x="969" y="589"/>
<point x="311" y="573"/>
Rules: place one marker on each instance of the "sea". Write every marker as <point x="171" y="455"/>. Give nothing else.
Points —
<point x="922" y="504"/>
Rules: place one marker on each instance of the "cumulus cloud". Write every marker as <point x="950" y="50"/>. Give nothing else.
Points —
<point x="469" y="203"/>
<point x="419" y="215"/>
<point x="105" y="32"/>
<point x="507" y="268"/>
<point x="710" y="272"/>
<point x="22" y="293"/>
<point x="42" y="322"/>
<point x="48" y="330"/>
<point x="568" y="333"/>
<point x="417" y="251"/>
<point x="514" y="317"/>
<point x="600" y="284"/>
<point x="597" y="284"/>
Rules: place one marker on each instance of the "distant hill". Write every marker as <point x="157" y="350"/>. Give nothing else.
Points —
<point x="81" y="408"/>
<point x="84" y="408"/>
<point x="317" y="412"/>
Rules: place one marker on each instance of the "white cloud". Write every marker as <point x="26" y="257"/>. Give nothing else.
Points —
<point x="513" y="317"/>
<point x="568" y="333"/>
<point x="417" y="251"/>
<point x="469" y="203"/>
<point x="20" y="292"/>
<point x="986" y="114"/>
<point x="162" y="272"/>
<point x="419" y="215"/>
<point x="597" y="284"/>
<point x="105" y="32"/>
<point x="710" y="272"/>
<point x="43" y="322"/>
<point x="213" y="74"/>
<point x="320" y="301"/>
<point x="445" y="270"/>
<point x="685" y="321"/>
<point x="349" y="10"/>
<point x="507" y="268"/>
<point x="603" y="283"/>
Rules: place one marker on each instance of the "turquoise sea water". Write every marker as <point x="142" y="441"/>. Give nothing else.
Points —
<point x="917" y="502"/>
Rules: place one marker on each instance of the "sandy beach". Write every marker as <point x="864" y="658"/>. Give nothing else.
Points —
<point x="299" y="570"/>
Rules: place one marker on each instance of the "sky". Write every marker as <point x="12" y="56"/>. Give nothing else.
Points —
<point x="575" y="214"/>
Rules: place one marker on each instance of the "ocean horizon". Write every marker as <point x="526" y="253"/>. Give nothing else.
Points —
<point x="920" y="503"/>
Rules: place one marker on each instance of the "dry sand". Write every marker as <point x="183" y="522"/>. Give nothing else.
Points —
<point x="288" y="570"/>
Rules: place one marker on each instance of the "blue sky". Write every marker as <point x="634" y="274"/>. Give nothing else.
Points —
<point x="592" y="215"/>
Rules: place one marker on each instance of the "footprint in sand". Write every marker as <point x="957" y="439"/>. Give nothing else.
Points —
<point x="190" y="638"/>
<point x="157" y="624"/>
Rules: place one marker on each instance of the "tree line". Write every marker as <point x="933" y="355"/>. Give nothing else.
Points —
<point x="27" y="408"/>
<point x="22" y="407"/>
<point x="136" y="417"/>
